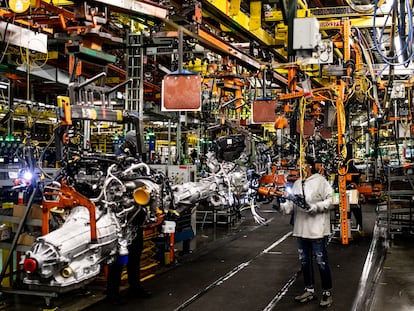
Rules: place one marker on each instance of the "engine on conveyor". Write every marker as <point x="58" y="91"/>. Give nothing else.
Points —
<point x="107" y="198"/>
<point x="121" y="192"/>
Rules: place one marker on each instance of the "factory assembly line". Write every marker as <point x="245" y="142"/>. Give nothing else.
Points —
<point x="205" y="118"/>
<point x="252" y="266"/>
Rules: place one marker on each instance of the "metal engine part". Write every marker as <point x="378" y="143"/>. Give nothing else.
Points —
<point x="66" y="258"/>
<point x="227" y="185"/>
<point x="130" y="195"/>
<point x="125" y="191"/>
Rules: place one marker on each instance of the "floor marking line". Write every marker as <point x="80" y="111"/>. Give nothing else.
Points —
<point x="285" y="287"/>
<point x="229" y="274"/>
<point x="278" y="242"/>
<point x="281" y="293"/>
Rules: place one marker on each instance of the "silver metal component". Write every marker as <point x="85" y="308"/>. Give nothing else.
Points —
<point x="70" y="249"/>
<point x="226" y="186"/>
<point x="128" y="197"/>
<point x="67" y="258"/>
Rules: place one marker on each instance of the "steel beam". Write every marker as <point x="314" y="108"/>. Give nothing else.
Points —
<point x="132" y="7"/>
<point x="361" y="22"/>
<point x="331" y="18"/>
<point x="214" y="43"/>
<point x="25" y="38"/>
<point x="240" y="23"/>
<point x="322" y="13"/>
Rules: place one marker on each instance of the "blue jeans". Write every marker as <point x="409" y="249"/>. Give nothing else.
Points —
<point x="314" y="248"/>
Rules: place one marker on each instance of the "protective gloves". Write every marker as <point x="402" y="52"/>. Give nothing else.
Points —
<point x="312" y="209"/>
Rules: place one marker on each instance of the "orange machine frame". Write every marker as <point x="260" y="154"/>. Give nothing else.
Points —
<point x="68" y="197"/>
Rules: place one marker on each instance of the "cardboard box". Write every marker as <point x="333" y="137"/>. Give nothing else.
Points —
<point x="35" y="211"/>
<point x="26" y="239"/>
<point x="18" y="210"/>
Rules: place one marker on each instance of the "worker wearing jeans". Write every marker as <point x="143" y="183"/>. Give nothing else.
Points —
<point x="310" y="202"/>
<point x="308" y="248"/>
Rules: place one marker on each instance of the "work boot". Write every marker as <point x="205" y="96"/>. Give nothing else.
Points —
<point x="326" y="300"/>
<point x="308" y="295"/>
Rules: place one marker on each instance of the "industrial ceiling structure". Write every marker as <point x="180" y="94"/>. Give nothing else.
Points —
<point x="254" y="33"/>
<point x="366" y="43"/>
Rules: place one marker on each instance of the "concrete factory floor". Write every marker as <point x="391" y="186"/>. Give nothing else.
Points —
<point x="254" y="267"/>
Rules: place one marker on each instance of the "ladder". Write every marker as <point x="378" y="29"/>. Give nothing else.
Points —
<point x="135" y="90"/>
